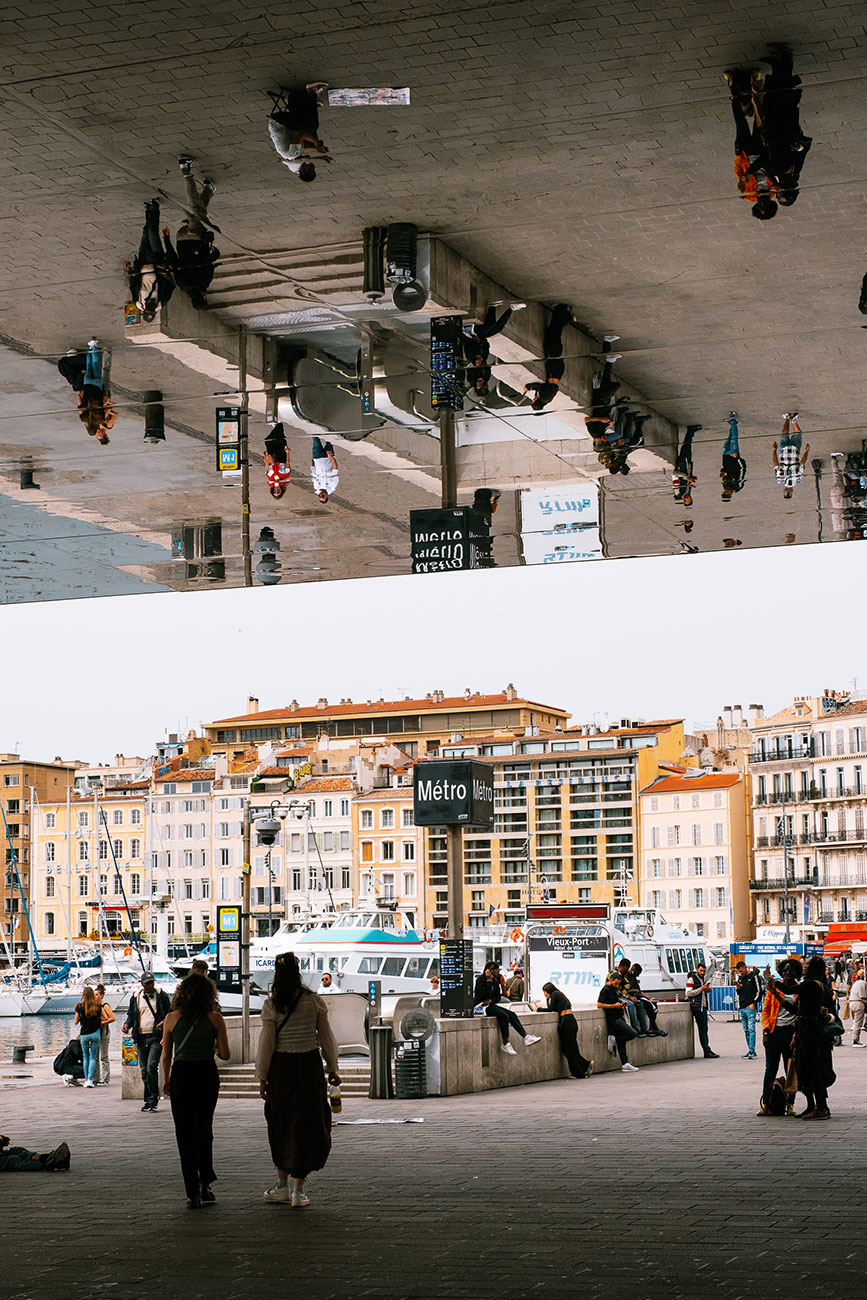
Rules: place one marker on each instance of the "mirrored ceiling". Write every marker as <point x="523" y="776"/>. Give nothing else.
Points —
<point x="624" y="321"/>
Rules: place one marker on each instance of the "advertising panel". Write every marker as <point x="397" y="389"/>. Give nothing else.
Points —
<point x="577" y="961"/>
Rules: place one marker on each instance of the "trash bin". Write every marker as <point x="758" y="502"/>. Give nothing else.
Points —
<point x="410" y="1069"/>
<point x="381" y="1039"/>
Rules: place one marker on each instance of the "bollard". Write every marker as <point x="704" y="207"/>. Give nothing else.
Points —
<point x="19" y="1054"/>
<point x="381" y="1040"/>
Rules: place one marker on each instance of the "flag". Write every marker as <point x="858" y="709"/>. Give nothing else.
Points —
<point x="491" y="910"/>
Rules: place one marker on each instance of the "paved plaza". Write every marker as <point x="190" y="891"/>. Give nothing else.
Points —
<point x="662" y="1183"/>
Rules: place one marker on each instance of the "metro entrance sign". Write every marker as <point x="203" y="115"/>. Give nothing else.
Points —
<point x="453" y="792"/>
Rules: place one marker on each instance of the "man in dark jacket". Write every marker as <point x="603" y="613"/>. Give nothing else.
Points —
<point x="192" y="262"/>
<point x="748" y="983"/>
<point x="144" y="1020"/>
<point x="697" y="991"/>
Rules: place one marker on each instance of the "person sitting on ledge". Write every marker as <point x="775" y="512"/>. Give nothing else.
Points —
<point x="650" y="1007"/>
<point x="21" y="1161"/>
<point x="619" y="1030"/>
<point x="488" y="992"/>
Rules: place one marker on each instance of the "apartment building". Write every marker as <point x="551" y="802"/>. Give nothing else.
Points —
<point x="390" y="848"/>
<point x="694" y="854"/>
<point x="21" y="783"/>
<point x="808" y="771"/>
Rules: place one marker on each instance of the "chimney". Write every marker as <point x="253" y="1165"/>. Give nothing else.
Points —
<point x="252" y="704"/>
<point x="437" y="696"/>
<point x="727" y="716"/>
<point x="322" y="703"/>
<point x="293" y="706"/>
<point x="756" y="712"/>
<point x="737" y="716"/>
<point x="511" y="693"/>
<point x="467" y="693"/>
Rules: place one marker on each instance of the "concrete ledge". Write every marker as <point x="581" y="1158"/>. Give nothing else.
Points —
<point x="471" y="1060"/>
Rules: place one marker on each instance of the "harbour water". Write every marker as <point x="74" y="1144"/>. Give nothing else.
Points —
<point x="48" y="1034"/>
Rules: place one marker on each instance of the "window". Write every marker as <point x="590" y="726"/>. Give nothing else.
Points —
<point x="135" y="883"/>
<point x="698" y="898"/>
<point x="206" y="889"/>
<point x="717" y="798"/>
<point x="720" y="929"/>
<point x="367" y="819"/>
<point x="367" y="850"/>
<point x="720" y="864"/>
<point x="117" y="848"/>
<point x="696" y="833"/>
<point x="83" y="819"/>
<point x="696" y="801"/>
<point x="224" y="857"/>
<point x="386" y="818"/>
<point x="698" y="866"/>
<point x="344" y="807"/>
<point x="718" y="833"/>
<point x="408" y="851"/>
<point x="328" y="808"/>
<point x="655" y="837"/>
<point x="721" y="898"/>
<point x="83" y="890"/>
<point x="654" y="804"/>
<point x="477" y="903"/>
<point x="83" y="851"/>
<point x="673" y="835"/>
<point x="406" y="817"/>
<point x="345" y="878"/>
<point x="675" y="802"/>
<point x="117" y="817"/>
<point x="11" y="779"/>
<point x="187" y="832"/>
<point x="135" y="817"/>
<point x="188" y="889"/>
<point x="188" y="858"/>
<point x="656" y="867"/>
<point x="170" y="787"/>
<point x="409" y="885"/>
<point x="223" y="830"/>
<point x="103" y="885"/>
<point x="49" y="923"/>
<point x="202" y="787"/>
<point x="49" y="851"/>
<point x="49" y="886"/>
<point x="328" y="841"/>
<point x="51" y="819"/>
<point x="346" y="839"/>
<point x="135" y="848"/>
<point x="387" y="847"/>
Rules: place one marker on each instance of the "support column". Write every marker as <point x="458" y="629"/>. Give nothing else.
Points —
<point x="456" y="881"/>
<point x="448" y="462"/>
<point x="245" y="938"/>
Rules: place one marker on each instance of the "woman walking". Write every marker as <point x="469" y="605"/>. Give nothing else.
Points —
<point x="193" y="1029"/>
<point x="295" y="1036"/>
<point x="813" y="1050"/>
<point x="88" y="1014"/>
<point x="567" y="1031"/>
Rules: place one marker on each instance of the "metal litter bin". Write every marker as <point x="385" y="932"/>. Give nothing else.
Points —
<point x="381" y="1039"/>
<point x="410" y="1070"/>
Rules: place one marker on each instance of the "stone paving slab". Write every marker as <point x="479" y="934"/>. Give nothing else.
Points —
<point x="657" y="1184"/>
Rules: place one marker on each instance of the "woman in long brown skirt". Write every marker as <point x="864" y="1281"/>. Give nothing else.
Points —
<point x="295" y="1036"/>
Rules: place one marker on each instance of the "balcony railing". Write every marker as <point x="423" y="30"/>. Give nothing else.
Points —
<point x="781" y="756"/>
<point x="779" y="883"/>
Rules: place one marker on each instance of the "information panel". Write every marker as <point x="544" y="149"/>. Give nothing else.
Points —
<point x="444" y="541"/>
<point x="456" y="978"/>
<point x="576" y="961"/>
<point x="228" y="973"/>
<point x="446" y="363"/>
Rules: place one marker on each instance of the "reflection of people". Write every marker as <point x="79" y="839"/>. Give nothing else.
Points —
<point x="193" y="1031"/>
<point x="325" y="470"/>
<point x="295" y="1030"/>
<point x="293" y="127"/>
<point x="778" y="102"/>
<point x="95" y="408"/>
<point x="734" y="468"/>
<point x="276" y="458"/>
<point x="192" y="263"/>
<point x="150" y="284"/>
<point x="751" y="160"/>
<point x="788" y="461"/>
<point x="477" y="349"/>
<point x="605" y="389"/>
<point x="552" y="349"/>
<point x="684" y="476"/>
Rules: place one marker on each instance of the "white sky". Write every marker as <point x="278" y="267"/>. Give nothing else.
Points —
<point x="670" y="637"/>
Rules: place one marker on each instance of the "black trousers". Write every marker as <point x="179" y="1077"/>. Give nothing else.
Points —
<point x="778" y="1048"/>
<point x="567" y="1029"/>
<point x="301" y="112"/>
<point x="700" y="1018"/>
<point x="623" y="1033"/>
<point x="492" y="324"/>
<point x="149" y="1052"/>
<point x="683" y="464"/>
<point x="275" y="443"/>
<point x="151" y="249"/>
<point x="504" y="1018"/>
<point x="193" y="1089"/>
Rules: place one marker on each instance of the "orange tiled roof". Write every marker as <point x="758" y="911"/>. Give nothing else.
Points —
<point x="402" y="792"/>
<point x="449" y="703"/>
<point x="679" y="784"/>
<point x="322" y="784"/>
<point x="300" y="752"/>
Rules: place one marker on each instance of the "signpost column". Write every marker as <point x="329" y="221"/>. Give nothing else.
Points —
<point x="455" y="879"/>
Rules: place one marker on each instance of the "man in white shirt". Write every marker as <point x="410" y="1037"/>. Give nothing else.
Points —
<point x="857" y="1006"/>
<point x="789" y="461"/>
<point x="326" y="984"/>
<point x="324" y="470"/>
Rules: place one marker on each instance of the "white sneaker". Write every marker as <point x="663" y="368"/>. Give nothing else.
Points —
<point x="67" y="1080"/>
<point x="508" y="1049"/>
<point x="278" y="1193"/>
<point x="859" y="1044"/>
<point x="88" y="1083"/>
<point x="629" y="1069"/>
<point x="299" y="1200"/>
<point x="531" y="1039"/>
<point x="517" y="306"/>
<point x="611" y="357"/>
<point x="610" y="338"/>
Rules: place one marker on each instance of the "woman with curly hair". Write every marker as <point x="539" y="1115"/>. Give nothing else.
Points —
<point x="193" y="1029"/>
<point x="295" y="1036"/>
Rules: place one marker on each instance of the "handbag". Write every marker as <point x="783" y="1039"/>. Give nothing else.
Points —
<point x="846" y="1013"/>
<point x="791" y="1084"/>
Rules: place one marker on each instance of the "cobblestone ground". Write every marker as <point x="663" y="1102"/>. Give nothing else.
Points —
<point x="662" y="1183"/>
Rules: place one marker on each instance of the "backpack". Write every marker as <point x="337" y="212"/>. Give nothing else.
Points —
<point x="777" y="1099"/>
<point x="70" y="1060"/>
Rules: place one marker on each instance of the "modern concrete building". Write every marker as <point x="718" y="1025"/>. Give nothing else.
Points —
<point x="694" y="855"/>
